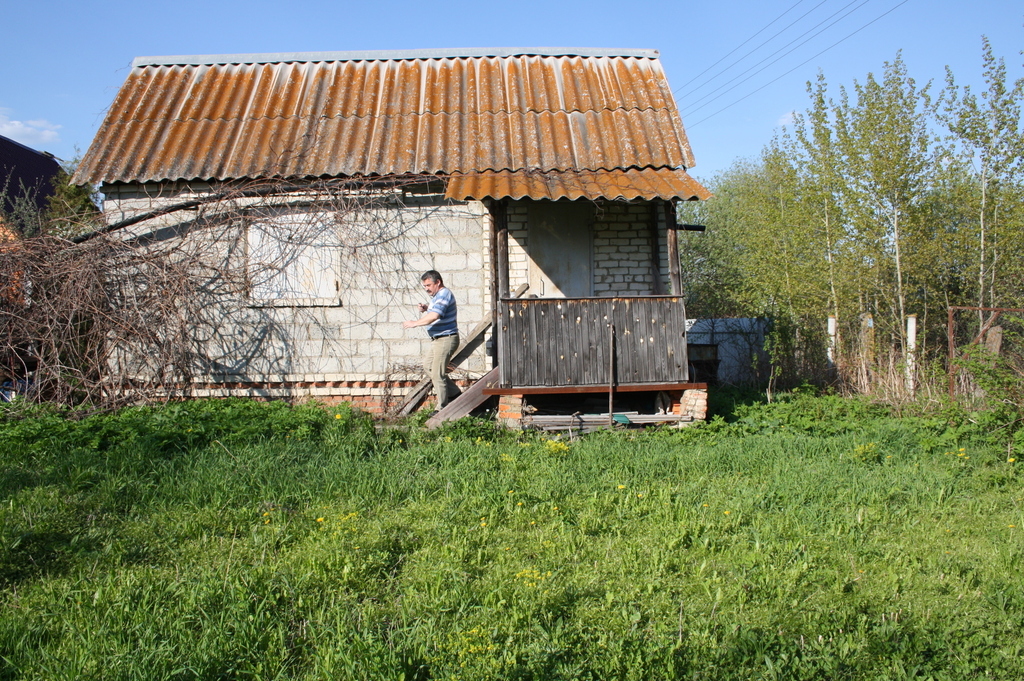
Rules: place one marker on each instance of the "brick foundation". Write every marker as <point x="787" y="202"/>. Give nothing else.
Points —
<point x="374" y="397"/>
<point x="693" y="402"/>
<point x="510" y="411"/>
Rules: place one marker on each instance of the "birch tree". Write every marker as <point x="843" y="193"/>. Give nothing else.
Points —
<point x="821" y="177"/>
<point x="990" y="137"/>
<point x="886" y="147"/>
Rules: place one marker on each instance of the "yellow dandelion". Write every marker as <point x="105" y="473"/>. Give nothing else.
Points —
<point x="622" y="487"/>
<point x="1010" y="460"/>
<point x="519" y="504"/>
<point x="483" y="524"/>
<point x="319" y="520"/>
<point x="705" y="505"/>
<point x="511" y="492"/>
<point x="727" y="512"/>
<point x="337" y="416"/>
<point x="1011" y="526"/>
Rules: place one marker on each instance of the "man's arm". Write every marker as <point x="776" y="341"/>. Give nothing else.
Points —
<point x="427" y="319"/>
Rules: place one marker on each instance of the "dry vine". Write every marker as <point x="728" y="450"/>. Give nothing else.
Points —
<point x="137" y="309"/>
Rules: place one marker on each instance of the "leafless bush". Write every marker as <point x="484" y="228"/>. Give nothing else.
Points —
<point x="135" y="310"/>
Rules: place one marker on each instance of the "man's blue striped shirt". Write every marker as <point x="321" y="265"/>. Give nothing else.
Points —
<point x="443" y="303"/>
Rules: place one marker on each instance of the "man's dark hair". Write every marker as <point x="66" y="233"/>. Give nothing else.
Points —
<point x="432" y="275"/>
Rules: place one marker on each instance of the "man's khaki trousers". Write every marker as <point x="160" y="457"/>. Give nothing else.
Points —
<point x="436" y="362"/>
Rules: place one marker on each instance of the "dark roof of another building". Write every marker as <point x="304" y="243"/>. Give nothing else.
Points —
<point x="494" y="118"/>
<point x="25" y="172"/>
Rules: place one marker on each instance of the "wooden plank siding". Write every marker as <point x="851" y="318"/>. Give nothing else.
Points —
<point x="555" y="342"/>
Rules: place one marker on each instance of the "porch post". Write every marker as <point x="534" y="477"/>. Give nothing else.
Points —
<point x="672" y="248"/>
<point x="501" y="232"/>
<point x="499" y="268"/>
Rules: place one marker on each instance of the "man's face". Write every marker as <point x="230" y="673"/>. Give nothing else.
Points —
<point x="431" y="286"/>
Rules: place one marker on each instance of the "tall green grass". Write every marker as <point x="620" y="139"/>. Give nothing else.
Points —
<point x="817" y="538"/>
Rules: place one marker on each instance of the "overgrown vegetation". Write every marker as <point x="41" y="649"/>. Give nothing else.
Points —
<point x="883" y="199"/>
<point x="804" y="539"/>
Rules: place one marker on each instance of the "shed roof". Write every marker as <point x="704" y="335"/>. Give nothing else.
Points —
<point x="484" y="115"/>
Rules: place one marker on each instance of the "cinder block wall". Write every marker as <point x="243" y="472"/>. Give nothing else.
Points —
<point x="621" y="253"/>
<point x="351" y="347"/>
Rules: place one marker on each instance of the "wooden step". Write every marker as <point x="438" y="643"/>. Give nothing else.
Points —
<point x="465" y="403"/>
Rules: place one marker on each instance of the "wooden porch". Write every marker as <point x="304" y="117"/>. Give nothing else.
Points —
<point x="548" y="349"/>
<point x="591" y="344"/>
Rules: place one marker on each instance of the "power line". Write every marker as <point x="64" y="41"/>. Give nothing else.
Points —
<point x="790" y="25"/>
<point x="786" y="54"/>
<point x="691" y="126"/>
<point x="763" y="29"/>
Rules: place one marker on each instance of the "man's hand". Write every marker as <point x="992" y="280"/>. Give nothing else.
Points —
<point x="423" y="307"/>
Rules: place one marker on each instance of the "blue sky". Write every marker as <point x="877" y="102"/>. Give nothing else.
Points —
<point x="61" y="63"/>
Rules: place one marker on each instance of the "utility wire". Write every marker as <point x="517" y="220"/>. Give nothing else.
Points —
<point x="691" y="126"/>
<point x="765" y="28"/>
<point x="691" y="108"/>
<point x="790" y="25"/>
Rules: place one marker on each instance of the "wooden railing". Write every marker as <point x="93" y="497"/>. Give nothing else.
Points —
<point x="584" y="342"/>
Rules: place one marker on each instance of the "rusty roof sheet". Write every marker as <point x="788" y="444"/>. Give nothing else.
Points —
<point x="632" y="183"/>
<point x="341" y="114"/>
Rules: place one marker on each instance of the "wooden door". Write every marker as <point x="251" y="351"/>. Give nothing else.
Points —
<point x="560" y="243"/>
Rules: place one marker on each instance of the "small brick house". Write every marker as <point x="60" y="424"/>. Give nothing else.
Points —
<point x="553" y="171"/>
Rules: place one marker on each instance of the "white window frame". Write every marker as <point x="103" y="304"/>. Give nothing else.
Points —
<point x="293" y="261"/>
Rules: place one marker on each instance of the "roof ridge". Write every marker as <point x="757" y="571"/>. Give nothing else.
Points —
<point x="493" y="112"/>
<point x="392" y="55"/>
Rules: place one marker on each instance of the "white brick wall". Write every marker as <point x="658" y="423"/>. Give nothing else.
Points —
<point x="622" y="250"/>
<point x="359" y="335"/>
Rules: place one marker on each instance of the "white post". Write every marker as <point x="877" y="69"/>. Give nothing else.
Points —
<point x="911" y="351"/>
<point x="831" y="350"/>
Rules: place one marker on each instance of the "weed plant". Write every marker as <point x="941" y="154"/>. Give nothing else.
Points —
<point x="809" y="539"/>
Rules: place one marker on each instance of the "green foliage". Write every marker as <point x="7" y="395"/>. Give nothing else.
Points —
<point x="70" y="210"/>
<point x="810" y="538"/>
<point x="861" y="210"/>
<point x="999" y="408"/>
<point x="168" y="429"/>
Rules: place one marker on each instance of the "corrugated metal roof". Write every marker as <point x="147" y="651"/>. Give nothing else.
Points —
<point x="634" y="183"/>
<point x="277" y="116"/>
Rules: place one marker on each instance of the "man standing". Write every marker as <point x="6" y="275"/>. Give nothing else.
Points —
<point x="440" y="319"/>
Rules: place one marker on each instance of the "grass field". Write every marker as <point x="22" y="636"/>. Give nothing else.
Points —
<point x="817" y="538"/>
